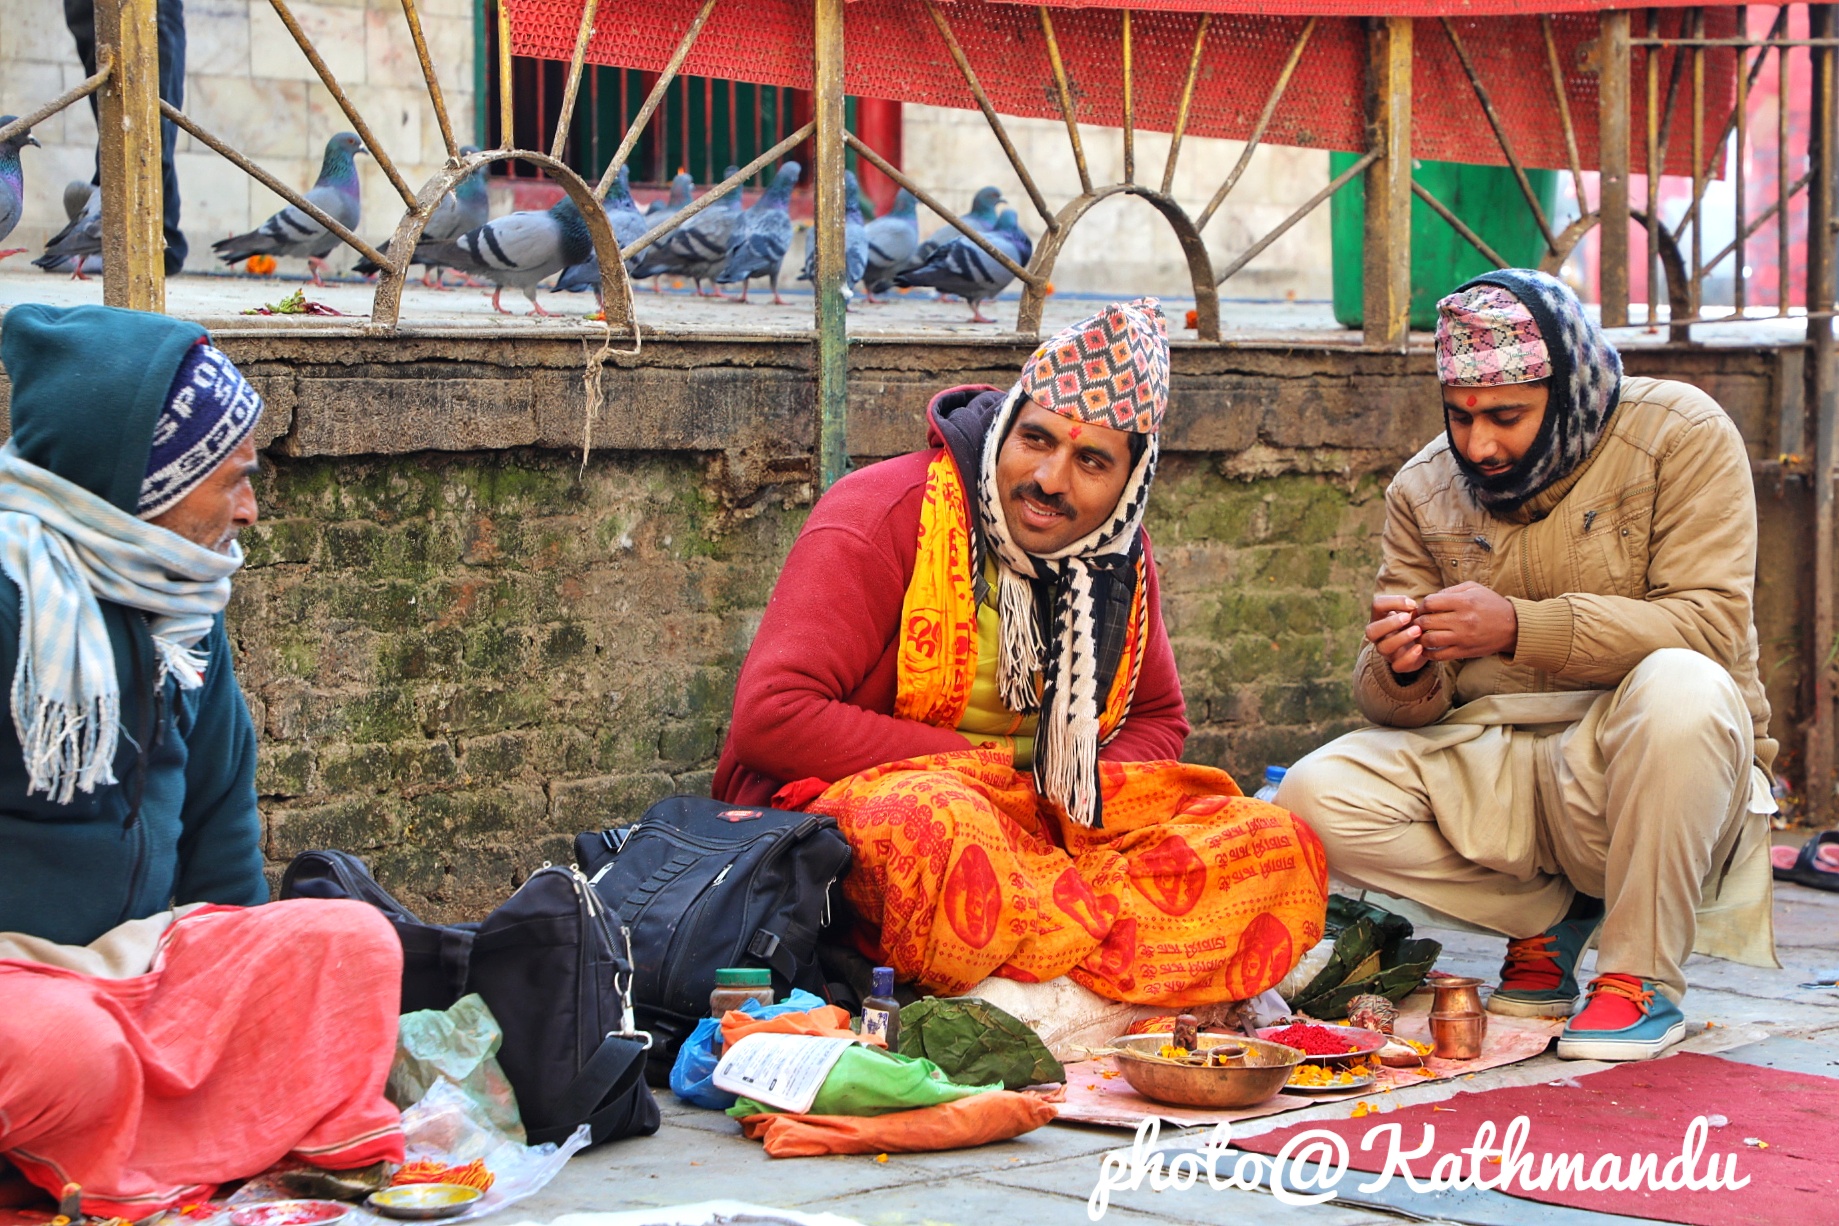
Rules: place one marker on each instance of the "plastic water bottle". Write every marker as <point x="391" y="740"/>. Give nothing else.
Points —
<point x="1273" y="775"/>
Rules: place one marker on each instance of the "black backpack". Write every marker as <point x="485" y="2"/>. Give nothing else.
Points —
<point x="556" y="972"/>
<point x="703" y="885"/>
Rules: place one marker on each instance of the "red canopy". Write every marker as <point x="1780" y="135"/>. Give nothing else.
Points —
<point x="895" y="52"/>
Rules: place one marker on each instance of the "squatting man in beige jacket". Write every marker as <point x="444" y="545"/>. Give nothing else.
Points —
<point x="1572" y="739"/>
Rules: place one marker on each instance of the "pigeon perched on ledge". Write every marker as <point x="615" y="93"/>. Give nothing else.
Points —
<point x="981" y="217"/>
<point x="698" y="248"/>
<point x="467" y="207"/>
<point x="77" y="248"/>
<point x="758" y="245"/>
<point x="855" y="239"/>
<point x="893" y="244"/>
<point x="292" y="232"/>
<point x="520" y="249"/>
<point x="963" y="268"/>
<point x="12" y="183"/>
<point x="628" y="225"/>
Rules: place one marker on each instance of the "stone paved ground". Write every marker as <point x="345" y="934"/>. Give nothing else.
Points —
<point x="1043" y="1179"/>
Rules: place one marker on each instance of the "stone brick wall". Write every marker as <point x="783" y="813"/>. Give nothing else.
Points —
<point x="462" y="645"/>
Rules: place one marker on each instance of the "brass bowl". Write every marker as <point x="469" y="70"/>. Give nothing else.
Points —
<point x="424" y="1200"/>
<point x="1258" y="1077"/>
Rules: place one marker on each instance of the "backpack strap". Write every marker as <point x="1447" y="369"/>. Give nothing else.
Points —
<point x="775" y="948"/>
<point x="599" y="1092"/>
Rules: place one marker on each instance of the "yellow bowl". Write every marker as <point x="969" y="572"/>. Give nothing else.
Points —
<point x="424" y="1200"/>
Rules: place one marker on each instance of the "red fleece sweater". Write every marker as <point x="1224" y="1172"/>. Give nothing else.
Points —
<point x="816" y="694"/>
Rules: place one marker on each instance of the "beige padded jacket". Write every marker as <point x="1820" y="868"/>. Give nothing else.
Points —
<point x="1650" y="543"/>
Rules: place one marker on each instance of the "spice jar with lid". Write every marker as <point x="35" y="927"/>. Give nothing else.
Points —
<point x="736" y="985"/>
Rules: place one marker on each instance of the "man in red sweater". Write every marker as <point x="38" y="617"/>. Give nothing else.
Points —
<point x="964" y="662"/>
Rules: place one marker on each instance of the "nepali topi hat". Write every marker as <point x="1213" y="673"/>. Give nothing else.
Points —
<point x="1486" y="338"/>
<point x="1109" y="370"/>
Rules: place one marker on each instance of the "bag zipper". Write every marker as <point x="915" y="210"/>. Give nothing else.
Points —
<point x="597" y="911"/>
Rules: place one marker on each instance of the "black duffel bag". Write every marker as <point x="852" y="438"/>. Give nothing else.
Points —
<point x="703" y="885"/>
<point x="554" y="968"/>
<point x="435" y="957"/>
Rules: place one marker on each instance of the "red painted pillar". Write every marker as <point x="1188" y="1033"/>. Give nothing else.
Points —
<point x="878" y="127"/>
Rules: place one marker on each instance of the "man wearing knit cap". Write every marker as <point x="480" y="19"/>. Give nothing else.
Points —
<point x="161" y="1032"/>
<point x="1573" y="741"/>
<point x="964" y="662"/>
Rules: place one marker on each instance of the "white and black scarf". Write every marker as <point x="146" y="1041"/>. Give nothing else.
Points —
<point x="1586" y="383"/>
<point x="1065" y="616"/>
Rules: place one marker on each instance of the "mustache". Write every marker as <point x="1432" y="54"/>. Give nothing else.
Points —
<point x="1034" y="493"/>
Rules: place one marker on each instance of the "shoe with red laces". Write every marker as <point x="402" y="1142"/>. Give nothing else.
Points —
<point x="1539" y="977"/>
<point x="1625" y="1018"/>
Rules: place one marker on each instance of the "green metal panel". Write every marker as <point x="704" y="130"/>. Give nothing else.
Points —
<point x="1486" y="197"/>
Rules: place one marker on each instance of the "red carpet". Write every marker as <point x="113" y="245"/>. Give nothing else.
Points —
<point x="1642" y="1108"/>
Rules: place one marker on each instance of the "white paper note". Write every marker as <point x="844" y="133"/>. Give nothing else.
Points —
<point x="784" y="1071"/>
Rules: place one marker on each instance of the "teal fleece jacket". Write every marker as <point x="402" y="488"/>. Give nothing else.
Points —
<point x="87" y="387"/>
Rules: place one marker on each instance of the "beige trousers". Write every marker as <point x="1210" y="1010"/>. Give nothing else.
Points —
<point x="1643" y="796"/>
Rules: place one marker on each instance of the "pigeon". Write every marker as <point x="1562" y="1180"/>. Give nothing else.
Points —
<point x="467" y="207"/>
<point x="628" y="224"/>
<point x="855" y="239"/>
<point x="963" y="268"/>
<point x="698" y="248"/>
<point x="292" y="232"/>
<point x="520" y="249"/>
<point x="893" y="242"/>
<point x="758" y="245"/>
<point x="12" y="184"/>
<point x="681" y="189"/>
<point x="80" y="241"/>
<point x="981" y="217"/>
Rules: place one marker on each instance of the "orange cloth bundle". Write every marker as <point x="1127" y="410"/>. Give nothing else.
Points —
<point x="978" y="1120"/>
<point x="826" y="1021"/>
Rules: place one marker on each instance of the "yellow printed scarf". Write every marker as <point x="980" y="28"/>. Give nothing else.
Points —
<point x="938" y="617"/>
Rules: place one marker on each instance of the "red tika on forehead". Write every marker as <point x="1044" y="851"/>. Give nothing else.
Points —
<point x="1110" y="370"/>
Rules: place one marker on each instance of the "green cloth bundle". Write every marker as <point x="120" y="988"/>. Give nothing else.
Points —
<point x="872" y="1081"/>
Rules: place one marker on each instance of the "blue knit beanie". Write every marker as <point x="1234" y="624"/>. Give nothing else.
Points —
<point x="209" y="411"/>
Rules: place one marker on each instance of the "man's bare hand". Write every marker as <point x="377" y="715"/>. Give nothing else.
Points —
<point x="1395" y="635"/>
<point x="1466" y="622"/>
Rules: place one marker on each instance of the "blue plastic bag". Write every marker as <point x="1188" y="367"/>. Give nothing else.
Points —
<point x="692" y="1077"/>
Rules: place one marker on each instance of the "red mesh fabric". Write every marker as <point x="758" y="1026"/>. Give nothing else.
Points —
<point x="895" y="52"/>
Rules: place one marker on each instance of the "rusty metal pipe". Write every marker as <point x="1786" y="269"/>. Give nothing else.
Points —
<point x="1264" y="119"/>
<point x="1065" y="89"/>
<point x="1130" y="106"/>
<point x="507" y="113"/>
<point x="1458" y="225"/>
<point x="344" y="103"/>
<point x="1500" y="134"/>
<point x="567" y="116"/>
<point x="989" y="113"/>
<point x="433" y="79"/>
<point x="105" y="63"/>
<point x="732" y="182"/>
<point x="971" y="232"/>
<point x="274" y="185"/>
<point x="637" y="127"/>
<point x="1187" y="98"/>
<point x="1341" y="180"/>
<point x="1564" y="109"/>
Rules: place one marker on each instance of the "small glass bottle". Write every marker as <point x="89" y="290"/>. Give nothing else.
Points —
<point x="881" y="1012"/>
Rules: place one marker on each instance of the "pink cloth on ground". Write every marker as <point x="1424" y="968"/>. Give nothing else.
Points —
<point x="261" y="1033"/>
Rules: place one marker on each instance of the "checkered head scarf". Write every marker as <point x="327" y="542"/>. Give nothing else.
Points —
<point x="1109" y="370"/>
<point x="1066" y="615"/>
<point x="209" y="412"/>
<point x="1518" y="325"/>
